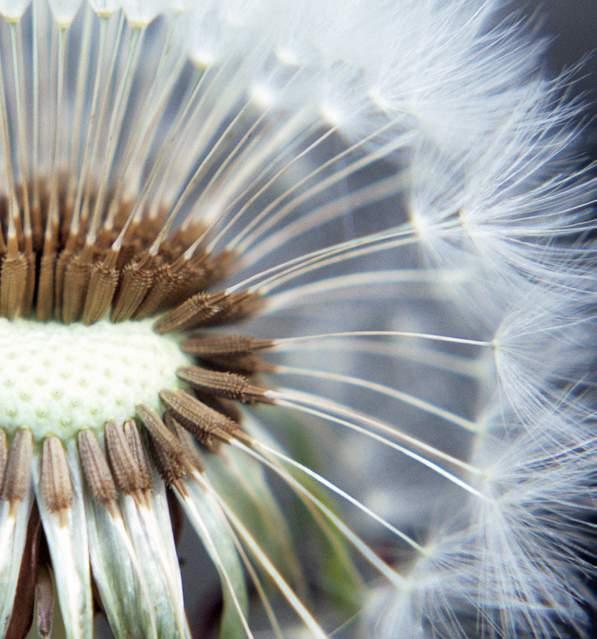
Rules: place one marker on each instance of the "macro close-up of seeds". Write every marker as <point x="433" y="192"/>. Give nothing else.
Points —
<point x="297" y="322"/>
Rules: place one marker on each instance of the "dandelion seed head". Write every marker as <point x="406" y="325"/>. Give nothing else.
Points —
<point x="337" y="248"/>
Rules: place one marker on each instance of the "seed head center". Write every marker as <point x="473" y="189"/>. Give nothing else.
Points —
<point x="58" y="379"/>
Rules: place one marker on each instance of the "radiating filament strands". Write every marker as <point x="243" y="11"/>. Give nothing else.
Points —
<point x="115" y="126"/>
<point x="35" y="142"/>
<point x="241" y="174"/>
<point x="53" y="213"/>
<point x="93" y="113"/>
<point x="155" y="99"/>
<point x="367" y="246"/>
<point x="315" y="256"/>
<point x="205" y="163"/>
<point x="197" y="144"/>
<point x="215" y="555"/>
<point x="337" y="521"/>
<point x="263" y="510"/>
<point x="323" y="184"/>
<point x="267" y="564"/>
<point x="342" y="493"/>
<point x="295" y="405"/>
<point x="112" y="78"/>
<point x="17" y="67"/>
<point x="210" y="123"/>
<point x="251" y="200"/>
<point x="230" y="153"/>
<point x="301" y="135"/>
<point x="407" y="398"/>
<point x="83" y="73"/>
<point x="440" y="360"/>
<point x="256" y="228"/>
<point x="153" y="106"/>
<point x="257" y="144"/>
<point x="7" y="152"/>
<point x="280" y="343"/>
<point x="341" y="409"/>
<point x="363" y="279"/>
<point x="347" y="204"/>
<point x="182" y="120"/>
<point x="261" y="593"/>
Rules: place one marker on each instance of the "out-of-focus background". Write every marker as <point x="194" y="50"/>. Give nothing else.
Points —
<point x="571" y="26"/>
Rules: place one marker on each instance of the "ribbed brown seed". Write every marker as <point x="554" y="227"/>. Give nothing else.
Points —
<point x="30" y="284"/>
<point x="96" y="469"/>
<point x="207" y="439"/>
<point x="192" y="312"/>
<point x="44" y="599"/>
<point x="102" y="287"/>
<point x="136" y="279"/>
<point x="129" y="477"/>
<point x="227" y="407"/>
<point x="3" y="456"/>
<point x="195" y="277"/>
<point x="237" y="306"/>
<point x="56" y="486"/>
<point x="62" y="261"/>
<point x="166" y="277"/>
<point x="137" y="448"/>
<point x="76" y="281"/>
<point x="198" y="418"/>
<point x="45" y="290"/>
<point x="172" y="462"/>
<point x="222" y="345"/>
<point x="160" y="433"/>
<point x="186" y="439"/>
<point x="223" y="384"/>
<point x="13" y="283"/>
<point x="248" y="364"/>
<point x="17" y="474"/>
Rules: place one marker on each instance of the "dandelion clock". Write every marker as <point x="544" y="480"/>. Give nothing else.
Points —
<point x="295" y="323"/>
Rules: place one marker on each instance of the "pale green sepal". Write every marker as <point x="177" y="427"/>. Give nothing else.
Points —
<point x="338" y="574"/>
<point x="148" y="524"/>
<point x="66" y="534"/>
<point x="217" y="536"/>
<point x="242" y="481"/>
<point x="14" y="519"/>
<point x="118" y="577"/>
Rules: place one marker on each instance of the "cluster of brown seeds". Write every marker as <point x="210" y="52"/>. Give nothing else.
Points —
<point x="125" y="466"/>
<point x="56" y="267"/>
<point x="66" y="263"/>
<point x="120" y="262"/>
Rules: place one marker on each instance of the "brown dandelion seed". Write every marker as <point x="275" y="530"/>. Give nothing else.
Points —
<point x="56" y="483"/>
<point x="17" y="472"/>
<point x="223" y="384"/>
